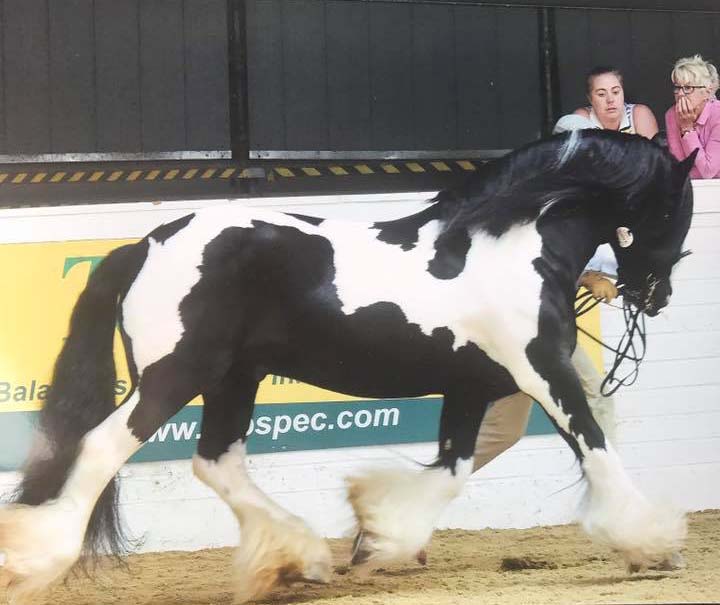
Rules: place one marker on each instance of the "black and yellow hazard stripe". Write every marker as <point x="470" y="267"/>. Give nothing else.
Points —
<point x="272" y="171"/>
<point x="373" y="168"/>
<point x="110" y="175"/>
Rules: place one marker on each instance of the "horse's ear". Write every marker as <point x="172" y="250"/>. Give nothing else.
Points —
<point x="683" y="168"/>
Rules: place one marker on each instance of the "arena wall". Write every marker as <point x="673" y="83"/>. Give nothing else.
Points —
<point x="668" y="421"/>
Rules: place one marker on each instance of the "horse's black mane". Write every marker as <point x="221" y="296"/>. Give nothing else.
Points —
<point x="609" y="178"/>
<point x="553" y="174"/>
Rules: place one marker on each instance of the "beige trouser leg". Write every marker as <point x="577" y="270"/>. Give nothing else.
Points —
<point x="602" y="408"/>
<point x="504" y="424"/>
<point x="506" y="419"/>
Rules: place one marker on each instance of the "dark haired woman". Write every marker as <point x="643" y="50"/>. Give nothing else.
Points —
<point x="608" y="109"/>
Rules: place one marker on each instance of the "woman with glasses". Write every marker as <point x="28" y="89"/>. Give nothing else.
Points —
<point x="608" y="109"/>
<point x="693" y="122"/>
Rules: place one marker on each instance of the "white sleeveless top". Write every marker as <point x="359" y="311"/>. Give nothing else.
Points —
<point x="627" y="124"/>
<point x="604" y="261"/>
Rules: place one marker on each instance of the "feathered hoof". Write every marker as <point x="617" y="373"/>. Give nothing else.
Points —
<point x="674" y="562"/>
<point x="365" y="550"/>
<point x="396" y="510"/>
<point x="362" y="548"/>
<point x="273" y="552"/>
<point x="37" y="549"/>
<point x="647" y="536"/>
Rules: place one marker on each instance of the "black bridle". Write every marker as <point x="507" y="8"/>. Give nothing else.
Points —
<point x="626" y="350"/>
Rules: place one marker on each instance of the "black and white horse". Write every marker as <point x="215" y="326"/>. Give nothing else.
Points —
<point x="471" y="298"/>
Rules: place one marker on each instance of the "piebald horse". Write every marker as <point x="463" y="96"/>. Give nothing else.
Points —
<point x="471" y="298"/>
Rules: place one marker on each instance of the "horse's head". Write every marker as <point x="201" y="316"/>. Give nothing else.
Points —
<point x="647" y="250"/>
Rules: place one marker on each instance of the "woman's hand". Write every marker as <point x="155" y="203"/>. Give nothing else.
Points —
<point x="600" y="287"/>
<point x="686" y="114"/>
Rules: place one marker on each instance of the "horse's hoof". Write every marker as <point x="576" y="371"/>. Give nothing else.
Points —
<point x="360" y="551"/>
<point x="672" y="563"/>
<point x="319" y="572"/>
<point x="38" y="547"/>
<point x="422" y="557"/>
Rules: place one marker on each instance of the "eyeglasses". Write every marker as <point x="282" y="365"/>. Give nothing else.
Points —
<point x="686" y="90"/>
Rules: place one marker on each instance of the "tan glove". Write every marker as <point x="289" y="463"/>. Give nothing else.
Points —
<point x="600" y="287"/>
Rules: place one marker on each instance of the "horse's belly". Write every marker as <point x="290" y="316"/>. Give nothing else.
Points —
<point x="373" y="353"/>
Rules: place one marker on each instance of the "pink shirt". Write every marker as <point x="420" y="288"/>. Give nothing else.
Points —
<point x="706" y="136"/>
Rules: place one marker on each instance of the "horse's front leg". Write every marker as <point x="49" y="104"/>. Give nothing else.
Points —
<point x="614" y="512"/>
<point x="396" y="509"/>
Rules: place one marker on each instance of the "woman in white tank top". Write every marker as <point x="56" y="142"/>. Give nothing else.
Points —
<point x="608" y="109"/>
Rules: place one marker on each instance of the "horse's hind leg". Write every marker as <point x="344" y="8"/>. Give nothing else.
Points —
<point x="274" y="544"/>
<point x="40" y="544"/>
<point x="397" y="510"/>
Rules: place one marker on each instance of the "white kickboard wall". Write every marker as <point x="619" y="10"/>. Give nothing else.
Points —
<point x="668" y="422"/>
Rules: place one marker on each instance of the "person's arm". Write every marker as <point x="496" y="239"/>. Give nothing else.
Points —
<point x="673" y="135"/>
<point x="707" y="161"/>
<point x="645" y="122"/>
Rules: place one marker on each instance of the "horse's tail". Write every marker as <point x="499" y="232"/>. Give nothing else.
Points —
<point x="81" y="396"/>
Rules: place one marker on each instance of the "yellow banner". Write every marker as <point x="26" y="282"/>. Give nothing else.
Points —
<point x="42" y="282"/>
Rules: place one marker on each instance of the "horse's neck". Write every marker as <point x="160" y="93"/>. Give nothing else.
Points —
<point x="572" y="241"/>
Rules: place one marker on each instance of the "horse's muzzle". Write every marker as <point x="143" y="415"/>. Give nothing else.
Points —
<point x="651" y="298"/>
<point x="651" y="310"/>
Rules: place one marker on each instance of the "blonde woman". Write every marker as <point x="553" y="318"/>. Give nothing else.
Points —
<point x="693" y="122"/>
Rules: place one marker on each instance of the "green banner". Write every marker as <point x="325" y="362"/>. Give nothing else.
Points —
<point x="279" y="428"/>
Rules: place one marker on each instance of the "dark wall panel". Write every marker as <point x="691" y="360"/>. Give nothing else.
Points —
<point x="162" y="62"/>
<point x="478" y="84"/>
<point x="72" y="76"/>
<point x="648" y="76"/>
<point x="305" y="71"/>
<point x="27" y="95"/>
<point x="206" y="80"/>
<point x="574" y="57"/>
<point x="109" y="76"/>
<point x="694" y="33"/>
<point x="519" y="77"/>
<point x="391" y="76"/>
<point x="399" y="76"/>
<point x="3" y="142"/>
<point x="348" y="67"/>
<point x="434" y="77"/>
<point x="609" y="37"/>
<point x="266" y="102"/>
<point x="152" y="75"/>
<point x="118" y="76"/>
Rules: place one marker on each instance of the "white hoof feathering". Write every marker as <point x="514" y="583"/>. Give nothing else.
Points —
<point x="397" y="509"/>
<point x="277" y="552"/>
<point x="617" y="515"/>
<point x="38" y="547"/>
